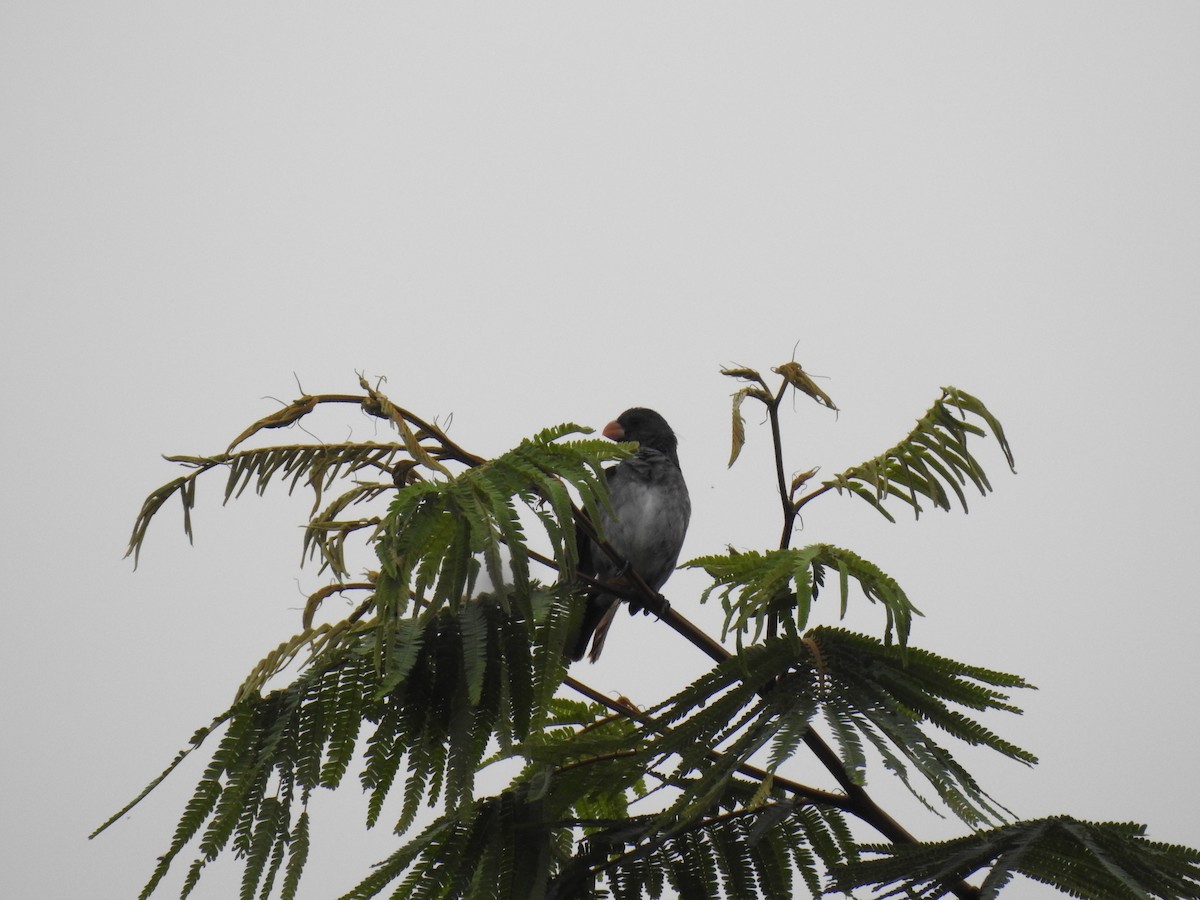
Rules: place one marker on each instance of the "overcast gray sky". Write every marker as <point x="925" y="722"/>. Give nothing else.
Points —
<point x="536" y="213"/>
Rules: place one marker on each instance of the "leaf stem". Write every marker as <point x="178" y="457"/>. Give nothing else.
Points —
<point x="789" y="511"/>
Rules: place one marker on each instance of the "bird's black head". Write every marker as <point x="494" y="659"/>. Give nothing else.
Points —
<point x="646" y="427"/>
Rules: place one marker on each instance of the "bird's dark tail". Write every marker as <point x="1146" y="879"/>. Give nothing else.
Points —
<point x="597" y="618"/>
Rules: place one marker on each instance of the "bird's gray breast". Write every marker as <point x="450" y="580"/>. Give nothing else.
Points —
<point x="649" y="519"/>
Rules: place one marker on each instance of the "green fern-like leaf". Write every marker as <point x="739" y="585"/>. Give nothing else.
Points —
<point x="315" y="465"/>
<point x="736" y="850"/>
<point x="493" y="847"/>
<point x="932" y="462"/>
<point x="870" y="692"/>
<point x="1100" y="861"/>
<point x="753" y="585"/>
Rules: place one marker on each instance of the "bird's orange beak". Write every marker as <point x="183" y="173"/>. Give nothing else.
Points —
<point x="614" y="432"/>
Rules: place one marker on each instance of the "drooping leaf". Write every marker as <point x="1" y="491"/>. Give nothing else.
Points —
<point x="931" y="463"/>
<point x="885" y="697"/>
<point x="316" y="466"/>
<point x="1100" y="861"/>
<point x="754" y="585"/>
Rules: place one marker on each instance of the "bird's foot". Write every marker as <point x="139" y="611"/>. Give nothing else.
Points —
<point x="659" y="605"/>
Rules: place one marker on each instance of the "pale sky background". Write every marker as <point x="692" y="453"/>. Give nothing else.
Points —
<point x="524" y="214"/>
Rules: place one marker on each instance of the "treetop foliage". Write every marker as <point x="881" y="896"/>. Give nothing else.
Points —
<point x="435" y="675"/>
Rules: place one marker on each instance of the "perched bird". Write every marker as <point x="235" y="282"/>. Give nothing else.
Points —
<point x="646" y="524"/>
